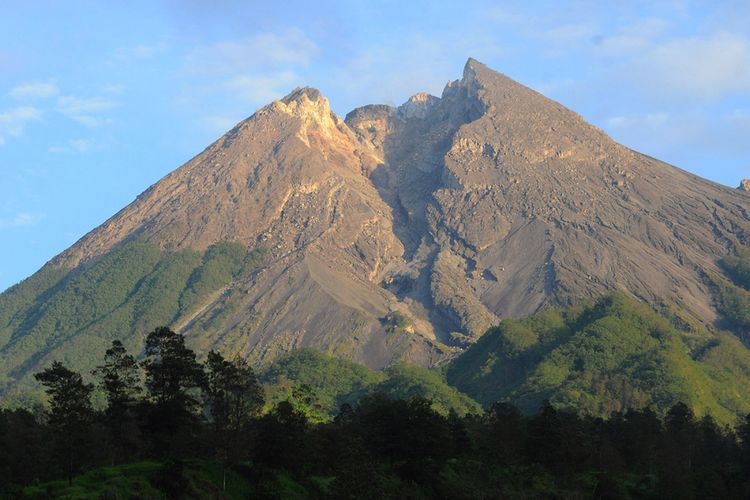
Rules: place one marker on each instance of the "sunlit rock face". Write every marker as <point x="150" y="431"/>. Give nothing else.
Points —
<point x="488" y="202"/>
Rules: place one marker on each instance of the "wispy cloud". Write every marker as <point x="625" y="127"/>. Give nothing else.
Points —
<point x="250" y="70"/>
<point x="219" y="124"/>
<point x="261" y="89"/>
<point x="392" y="71"/>
<point x="22" y="219"/>
<point x="705" y="68"/>
<point x="568" y="34"/>
<point x="13" y="122"/>
<point x="143" y="51"/>
<point x="83" y="145"/>
<point x="29" y="91"/>
<point x="649" y="120"/>
<point x="71" y="105"/>
<point x="85" y="111"/>
<point x="290" y="47"/>
<point x="631" y="39"/>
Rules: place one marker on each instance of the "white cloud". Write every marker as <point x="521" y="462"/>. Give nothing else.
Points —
<point x="71" y="105"/>
<point x="34" y="91"/>
<point x="569" y="33"/>
<point x="504" y="15"/>
<point x="390" y="72"/>
<point x="261" y="89"/>
<point x="84" y="111"/>
<point x="291" y="47"/>
<point x="143" y="51"/>
<point x="220" y="124"/>
<point x="22" y="219"/>
<point x="649" y="120"/>
<point x="27" y="219"/>
<point x="83" y="145"/>
<point x="631" y="39"/>
<point x="12" y="122"/>
<point x="90" y="121"/>
<point x="704" y="68"/>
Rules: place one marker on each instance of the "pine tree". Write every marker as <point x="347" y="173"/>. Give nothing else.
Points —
<point x="120" y="380"/>
<point x="174" y="380"/>
<point x="234" y="397"/>
<point x="70" y="414"/>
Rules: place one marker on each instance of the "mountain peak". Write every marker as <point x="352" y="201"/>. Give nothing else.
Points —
<point x="472" y="66"/>
<point x="490" y="202"/>
<point x="312" y="109"/>
<point x="301" y="94"/>
<point x="418" y="105"/>
<point x="304" y="101"/>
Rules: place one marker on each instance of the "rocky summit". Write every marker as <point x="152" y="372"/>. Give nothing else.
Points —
<point x="397" y="233"/>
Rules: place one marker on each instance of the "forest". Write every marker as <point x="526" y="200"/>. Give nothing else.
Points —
<point x="173" y="427"/>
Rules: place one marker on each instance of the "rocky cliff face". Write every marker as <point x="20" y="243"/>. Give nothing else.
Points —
<point x="490" y="201"/>
<point x="519" y="203"/>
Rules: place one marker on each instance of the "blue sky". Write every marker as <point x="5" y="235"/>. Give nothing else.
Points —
<point x="99" y="100"/>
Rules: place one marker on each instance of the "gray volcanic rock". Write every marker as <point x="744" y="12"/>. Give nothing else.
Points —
<point x="534" y="207"/>
<point x="488" y="202"/>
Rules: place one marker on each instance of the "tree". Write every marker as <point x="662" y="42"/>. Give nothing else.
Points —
<point x="234" y="397"/>
<point x="282" y="441"/>
<point x="120" y="380"/>
<point x="174" y="380"/>
<point x="70" y="413"/>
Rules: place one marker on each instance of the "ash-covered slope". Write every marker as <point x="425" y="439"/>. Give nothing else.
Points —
<point x="520" y="204"/>
<point x="400" y="233"/>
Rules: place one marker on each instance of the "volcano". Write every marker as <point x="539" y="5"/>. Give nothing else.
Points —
<point x="396" y="233"/>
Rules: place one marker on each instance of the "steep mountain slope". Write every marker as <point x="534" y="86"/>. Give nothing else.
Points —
<point x="399" y="233"/>
<point x="605" y="357"/>
<point x="528" y="205"/>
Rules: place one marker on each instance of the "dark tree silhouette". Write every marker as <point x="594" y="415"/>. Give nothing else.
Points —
<point x="120" y="380"/>
<point x="233" y="398"/>
<point x="70" y="414"/>
<point x="174" y="380"/>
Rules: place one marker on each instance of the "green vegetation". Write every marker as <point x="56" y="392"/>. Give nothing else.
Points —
<point x="397" y="322"/>
<point x="317" y="385"/>
<point x="201" y="479"/>
<point x="604" y="358"/>
<point x="68" y="316"/>
<point x="733" y="297"/>
<point x="220" y="264"/>
<point x="734" y="303"/>
<point x="195" y="430"/>
<point x="405" y="381"/>
<point x="738" y="267"/>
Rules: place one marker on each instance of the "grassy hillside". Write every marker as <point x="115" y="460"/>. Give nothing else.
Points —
<point x="614" y="354"/>
<point x="130" y="291"/>
<point x="318" y="384"/>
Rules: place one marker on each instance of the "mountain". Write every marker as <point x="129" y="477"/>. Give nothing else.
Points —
<point x="395" y="234"/>
<point x="607" y="356"/>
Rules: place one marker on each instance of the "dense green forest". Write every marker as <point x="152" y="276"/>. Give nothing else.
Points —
<point x="733" y="294"/>
<point x="172" y="427"/>
<point x="131" y="290"/>
<point x="317" y="385"/>
<point x="606" y="357"/>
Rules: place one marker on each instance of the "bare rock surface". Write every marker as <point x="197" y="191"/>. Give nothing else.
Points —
<point x="488" y="202"/>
